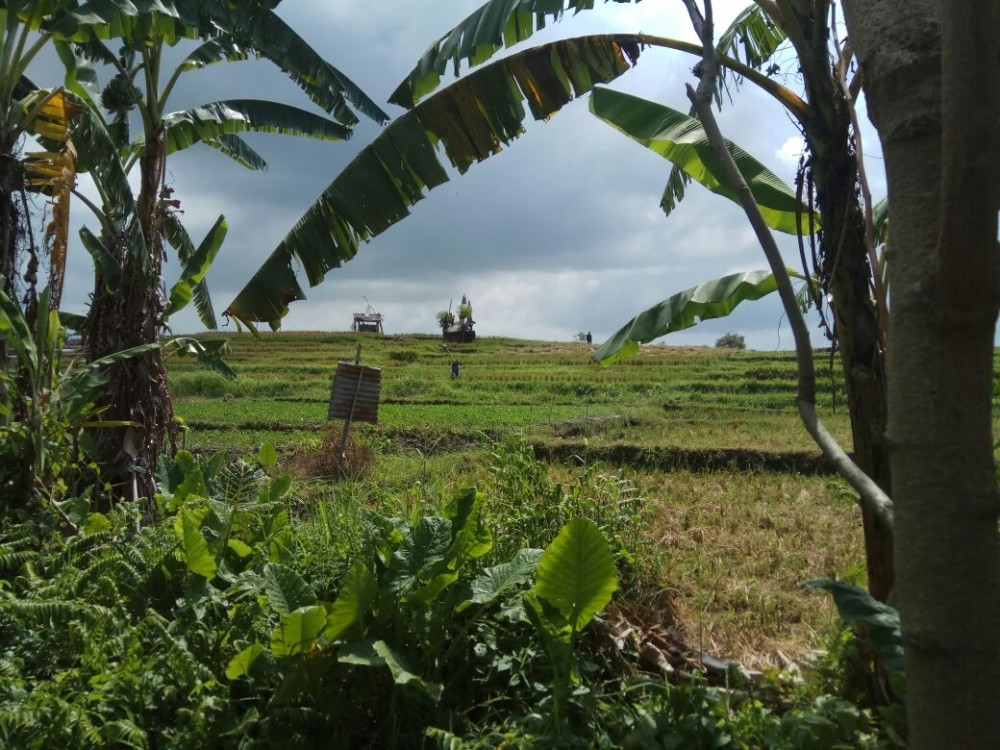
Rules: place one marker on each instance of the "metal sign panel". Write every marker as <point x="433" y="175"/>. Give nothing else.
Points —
<point x="355" y="393"/>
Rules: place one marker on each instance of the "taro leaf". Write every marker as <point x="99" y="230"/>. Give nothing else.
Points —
<point x="215" y="464"/>
<point x="194" y="480"/>
<point x="279" y="487"/>
<point x="471" y="538"/>
<point x="857" y="606"/>
<point x="552" y="626"/>
<point x="240" y="664"/>
<point x="286" y="590"/>
<point x="500" y="579"/>
<point x="238" y="482"/>
<point x="356" y="596"/>
<point x="360" y="652"/>
<point x="386" y="533"/>
<point x="713" y="299"/>
<point x="576" y="573"/>
<point x="298" y="630"/>
<point x="241" y="548"/>
<point x="682" y="139"/>
<point x="267" y="456"/>
<point x="187" y="527"/>
<point x="401" y="672"/>
<point x="423" y="548"/>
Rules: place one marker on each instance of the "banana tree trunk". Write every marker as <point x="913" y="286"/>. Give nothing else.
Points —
<point x="846" y="269"/>
<point x="127" y="317"/>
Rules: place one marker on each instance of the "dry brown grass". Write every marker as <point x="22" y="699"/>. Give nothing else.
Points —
<point x="327" y="461"/>
<point x="733" y="549"/>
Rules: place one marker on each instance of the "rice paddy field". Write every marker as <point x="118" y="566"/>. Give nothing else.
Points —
<point x="737" y="506"/>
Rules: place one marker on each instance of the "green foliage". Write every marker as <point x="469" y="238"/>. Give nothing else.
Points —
<point x="730" y="341"/>
<point x="574" y="580"/>
<point x="246" y="619"/>
<point x="445" y="319"/>
<point x="713" y="299"/>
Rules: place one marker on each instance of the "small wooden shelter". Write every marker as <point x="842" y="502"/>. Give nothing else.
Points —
<point x="368" y="321"/>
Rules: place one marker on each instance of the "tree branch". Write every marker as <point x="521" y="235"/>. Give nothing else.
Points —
<point x="872" y="496"/>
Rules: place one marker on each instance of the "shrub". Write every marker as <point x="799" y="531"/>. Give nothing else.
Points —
<point x="731" y="341"/>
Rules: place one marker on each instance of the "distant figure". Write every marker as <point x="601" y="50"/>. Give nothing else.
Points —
<point x="590" y="339"/>
<point x="455" y="367"/>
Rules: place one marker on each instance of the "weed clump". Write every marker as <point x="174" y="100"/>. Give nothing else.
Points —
<point x="328" y="461"/>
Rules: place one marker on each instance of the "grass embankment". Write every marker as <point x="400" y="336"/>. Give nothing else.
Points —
<point x="738" y="509"/>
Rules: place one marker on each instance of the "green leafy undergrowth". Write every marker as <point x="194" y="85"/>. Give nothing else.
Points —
<point x="246" y="617"/>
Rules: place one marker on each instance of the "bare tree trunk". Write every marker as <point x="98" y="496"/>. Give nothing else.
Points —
<point x="932" y="91"/>
<point x="845" y="267"/>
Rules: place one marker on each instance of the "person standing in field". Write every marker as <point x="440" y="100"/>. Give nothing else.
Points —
<point x="590" y="339"/>
<point x="455" y="368"/>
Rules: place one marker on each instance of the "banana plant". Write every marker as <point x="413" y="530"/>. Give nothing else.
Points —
<point x="485" y="110"/>
<point x="46" y="403"/>
<point x="140" y="89"/>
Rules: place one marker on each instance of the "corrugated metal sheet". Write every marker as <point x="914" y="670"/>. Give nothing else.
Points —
<point x="355" y="393"/>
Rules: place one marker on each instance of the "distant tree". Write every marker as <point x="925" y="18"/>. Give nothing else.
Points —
<point x="731" y="341"/>
<point x="581" y="336"/>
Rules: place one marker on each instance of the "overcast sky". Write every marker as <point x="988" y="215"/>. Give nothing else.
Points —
<point x="562" y="232"/>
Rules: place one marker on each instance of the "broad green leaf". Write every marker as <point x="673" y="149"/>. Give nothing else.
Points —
<point x="682" y="139"/>
<point x="194" y="480"/>
<point x="286" y="589"/>
<point x="279" y="487"/>
<point x="240" y="664"/>
<point x="422" y="549"/>
<point x="14" y="329"/>
<point x="238" y="150"/>
<point x="111" y="272"/>
<point x="857" y="606"/>
<point x="241" y="548"/>
<point x="553" y="627"/>
<point x="471" y="119"/>
<point x="361" y="653"/>
<point x="80" y="76"/>
<point x="208" y="352"/>
<point x="213" y="120"/>
<point x="267" y="456"/>
<point x="356" y="596"/>
<point x="96" y="523"/>
<point x="197" y="265"/>
<point x="187" y="527"/>
<point x="576" y="573"/>
<point x="471" y="537"/>
<point x="713" y="299"/>
<point x="175" y="234"/>
<point x="298" y="631"/>
<point x="498" y="580"/>
<point x="402" y="674"/>
<point x="496" y="24"/>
